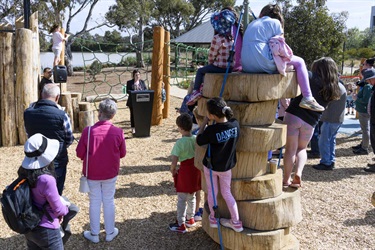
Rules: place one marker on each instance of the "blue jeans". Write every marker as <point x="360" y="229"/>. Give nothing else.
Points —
<point x="327" y="142"/>
<point x="44" y="238"/>
<point x="314" y="142"/>
<point x="210" y="68"/>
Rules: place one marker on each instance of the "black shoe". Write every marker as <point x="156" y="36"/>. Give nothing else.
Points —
<point x="357" y="146"/>
<point x="322" y="166"/>
<point x="347" y="113"/>
<point x="370" y="169"/>
<point x="313" y="156"/>
<point x="371" y="165"/>
<point x="360" y="151"/>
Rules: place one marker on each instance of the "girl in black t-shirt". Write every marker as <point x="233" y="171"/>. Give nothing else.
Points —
<point x="222" y="138"/>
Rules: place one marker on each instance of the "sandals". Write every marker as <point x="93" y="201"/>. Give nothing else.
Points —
<point x="296" y="183"/>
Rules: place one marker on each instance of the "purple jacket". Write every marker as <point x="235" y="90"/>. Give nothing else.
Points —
<point x="46" y="191"/>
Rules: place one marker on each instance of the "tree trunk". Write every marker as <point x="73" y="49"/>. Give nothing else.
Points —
<point x="68" y="58"/>
<point x="139" y="50"/>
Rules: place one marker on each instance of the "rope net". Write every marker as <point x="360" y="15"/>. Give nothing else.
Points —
<point x="106" y="73"/>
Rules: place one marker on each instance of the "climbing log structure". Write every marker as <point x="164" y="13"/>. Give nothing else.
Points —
<point x="266" y="210"/>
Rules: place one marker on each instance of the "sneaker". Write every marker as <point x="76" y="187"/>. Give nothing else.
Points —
<point x="198" y="216"/>
<point x="195" y="95"/>
<point x="352" y="113"/>
<point x="357" y="146"/>
<point x="347" y="113"/>
<point x="311" y="104"/>
<point x="213" y="223"/>
<point x="322" y="166"/>
<point x="177" y="228"/>
<point x="230" y="224"/>
<point x="370" y="168"/>
<point x="190" y="223"/>
<point x="360" y="151"/>
<point x="110" y="237"/>
<point x="91" y="237"/>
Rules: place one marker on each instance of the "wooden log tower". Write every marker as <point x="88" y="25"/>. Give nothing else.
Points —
<point x="265" y="209"/>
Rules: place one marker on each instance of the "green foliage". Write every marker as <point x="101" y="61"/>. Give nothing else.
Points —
<point x="312" y="32"/>
<point x="128" y="61"/>
<point x="95" y="69"/>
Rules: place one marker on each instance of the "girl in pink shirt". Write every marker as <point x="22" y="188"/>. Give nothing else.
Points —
<point x="106" y="147"/>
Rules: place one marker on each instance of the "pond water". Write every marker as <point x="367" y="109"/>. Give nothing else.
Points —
<point x="85" y="58"/>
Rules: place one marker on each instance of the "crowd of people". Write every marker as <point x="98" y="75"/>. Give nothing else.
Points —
<point x="262" y="48"/>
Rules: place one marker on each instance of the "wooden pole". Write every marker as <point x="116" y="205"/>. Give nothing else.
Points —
<point x="19" y="23"/>
<point x="7" y="97"/>
<point x="166" y="73"/>
<point x="62" y="55"/>
<point x="24" y="74"/>
<point x="157" y="74"/>
<point x="66" y="101"/>
<point x="36" y="56"/>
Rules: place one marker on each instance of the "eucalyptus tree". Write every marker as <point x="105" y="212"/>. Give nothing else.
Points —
<point x="312" y="32"/>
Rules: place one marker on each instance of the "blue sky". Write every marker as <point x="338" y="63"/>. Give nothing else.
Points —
<point x="359" y="12"/>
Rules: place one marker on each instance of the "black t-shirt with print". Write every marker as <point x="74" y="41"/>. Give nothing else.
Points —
<point x="222" y="138"/>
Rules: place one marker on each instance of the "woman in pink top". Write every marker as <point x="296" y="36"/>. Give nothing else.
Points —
<point x="106" y="147"/>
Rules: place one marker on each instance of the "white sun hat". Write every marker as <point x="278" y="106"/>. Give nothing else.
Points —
<point x="40" y="151"/>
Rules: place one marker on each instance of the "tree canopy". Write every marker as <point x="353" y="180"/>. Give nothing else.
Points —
<point x="312" y="32"/>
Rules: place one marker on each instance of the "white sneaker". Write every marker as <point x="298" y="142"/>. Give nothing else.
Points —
<point x="90" y="237"/>
<point x="110" y="237"/>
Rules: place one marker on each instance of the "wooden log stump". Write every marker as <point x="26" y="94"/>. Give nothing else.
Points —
<point x="244" y="87"/>
<point x="199" y="155"/>
<point x="250" y="165"/>
<point x="255" y="113"/>
<point x="248" y="238"/>
<point x="262" y="138"/>
<point x="75" y="109"/>
<point x="86" y="118"/>
<point x="7" y="90"/>
<point x="77" y="95"/>
<point x="66" y="101"/>
<point x="268" y="214"/>
<point x="257" y="188"/>
<point x="85" y="106"/>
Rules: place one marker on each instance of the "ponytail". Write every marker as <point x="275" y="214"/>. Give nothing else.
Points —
<point x="217" y="106"/>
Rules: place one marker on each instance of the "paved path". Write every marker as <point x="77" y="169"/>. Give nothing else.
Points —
<point x="350" y="126"/>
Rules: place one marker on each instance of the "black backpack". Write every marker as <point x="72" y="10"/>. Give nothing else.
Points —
<point x="18" y="209"/>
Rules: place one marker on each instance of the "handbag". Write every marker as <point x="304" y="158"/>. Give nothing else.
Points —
<point x="83" y="184"/>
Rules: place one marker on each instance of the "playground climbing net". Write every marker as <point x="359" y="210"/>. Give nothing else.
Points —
<point x="106" y="73"/>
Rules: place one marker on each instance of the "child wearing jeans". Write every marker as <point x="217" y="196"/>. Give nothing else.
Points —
<point x="221" y="45"/>
<point x="222" y="137"/>
<point x="187" y="178"/>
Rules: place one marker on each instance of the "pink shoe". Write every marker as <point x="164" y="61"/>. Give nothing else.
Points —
<point x="236" y="226"/>
<point x="213" y="223"/>
<point x="195" y="95"/>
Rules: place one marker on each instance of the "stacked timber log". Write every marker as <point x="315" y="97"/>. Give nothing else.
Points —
<point x="266" y="210"/>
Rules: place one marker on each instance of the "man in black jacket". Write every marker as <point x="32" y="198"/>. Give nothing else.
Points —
<point x="47" y="117"/>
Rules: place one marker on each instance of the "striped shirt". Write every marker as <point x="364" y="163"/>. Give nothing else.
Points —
<point x="219" y="51"/>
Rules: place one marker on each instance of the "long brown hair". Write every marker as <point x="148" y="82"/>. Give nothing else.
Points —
<point x="327" y="71"/>
<point x="273" y="11"/>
